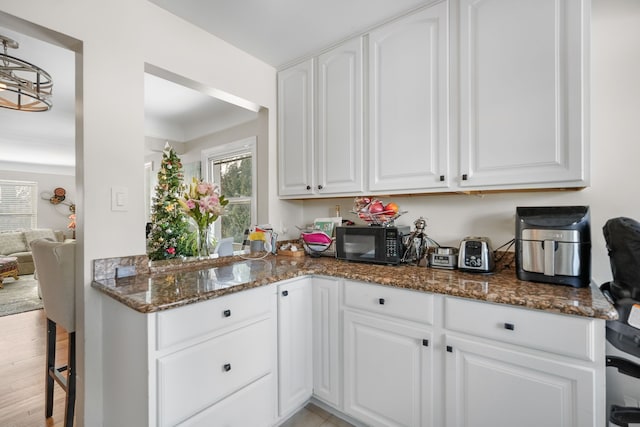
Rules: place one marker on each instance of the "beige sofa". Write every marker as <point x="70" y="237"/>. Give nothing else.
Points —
<point x="17" y="244"/>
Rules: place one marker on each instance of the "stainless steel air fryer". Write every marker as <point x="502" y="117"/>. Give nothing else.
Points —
<point x="553" y="245"/>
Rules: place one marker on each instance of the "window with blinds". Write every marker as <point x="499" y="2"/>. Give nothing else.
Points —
<point x="18" y="205"/>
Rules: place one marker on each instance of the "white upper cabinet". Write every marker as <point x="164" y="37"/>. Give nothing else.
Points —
<point x="462" y="95"/>
<point x="523" y="78"/>
<point x="408" y="102"/>
<point x="339" y="124"/>
<point x="320" y="133"/>
<point x="295" y="127"/>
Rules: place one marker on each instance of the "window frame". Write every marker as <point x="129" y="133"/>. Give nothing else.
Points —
<point x="211" y="155"/>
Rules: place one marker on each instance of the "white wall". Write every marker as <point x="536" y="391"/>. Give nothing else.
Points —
<point x="49" y="215"/>
<point x="116" y="39"/>
<point x="615" y="153"/>
<point x="249" y="129"/>
<point x="195" y="147"/>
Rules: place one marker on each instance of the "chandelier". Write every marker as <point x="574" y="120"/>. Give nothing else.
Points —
<point x="23" y="86"/>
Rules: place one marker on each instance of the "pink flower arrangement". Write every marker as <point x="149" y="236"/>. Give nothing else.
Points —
<point x="203" y="202"/>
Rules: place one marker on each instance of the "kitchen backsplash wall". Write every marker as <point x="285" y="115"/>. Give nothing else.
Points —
<point x="453" y="217"/>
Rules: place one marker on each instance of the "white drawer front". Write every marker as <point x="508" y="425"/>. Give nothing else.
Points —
<point x="253" y="406"/>
<point x="555" y="333"/>
<point x="191" y="321"/>
<point x="193" y="379"/>
<point x="401" y="303"/>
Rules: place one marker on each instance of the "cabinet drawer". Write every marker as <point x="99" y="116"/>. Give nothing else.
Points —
<point x="195" y="378"/>
<point x="232" y="411"/>
<point x="194" y="320"/>
<point x="555" y="333"/>
<point x="401" y="303"/>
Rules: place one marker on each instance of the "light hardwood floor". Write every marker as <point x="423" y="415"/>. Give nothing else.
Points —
<point x="22" y="371"/>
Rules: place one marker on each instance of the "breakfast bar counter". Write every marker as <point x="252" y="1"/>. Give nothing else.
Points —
<point x="170" y="284"/>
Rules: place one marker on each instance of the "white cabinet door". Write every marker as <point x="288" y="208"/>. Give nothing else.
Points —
<point x="198" y="376"/>
<point x="487" y="385"/>
<point x="523" y="86"/>
<point x="387" y="371"/>
<point x="295" y="363"/>
<point x="295" y="130"/>
<point x="408" y="102"/>
<point x="232" y="411"/>
<point x="339" y="124"/>
<point x="327" y="360"/>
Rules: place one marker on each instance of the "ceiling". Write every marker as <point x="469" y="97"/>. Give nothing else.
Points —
<point x="178" y="113"/>
<point x="275" y="31"/>
<point x="279" y="31"/>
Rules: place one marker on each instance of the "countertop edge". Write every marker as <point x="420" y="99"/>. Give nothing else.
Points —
<point x="550" y="305"/>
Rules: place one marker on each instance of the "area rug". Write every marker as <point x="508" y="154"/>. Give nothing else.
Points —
<point x="20" y="295"/>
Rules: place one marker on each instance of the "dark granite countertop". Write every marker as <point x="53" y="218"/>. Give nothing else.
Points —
<point x="177" y="284"/>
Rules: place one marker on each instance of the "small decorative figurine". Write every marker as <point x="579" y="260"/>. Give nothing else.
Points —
<point x="417" y="244"/>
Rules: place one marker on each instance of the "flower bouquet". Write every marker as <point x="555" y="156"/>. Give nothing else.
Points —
<point x="203" y="203"/>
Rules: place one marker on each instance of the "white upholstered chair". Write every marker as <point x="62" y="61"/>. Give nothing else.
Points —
<point x="55" y="265"/>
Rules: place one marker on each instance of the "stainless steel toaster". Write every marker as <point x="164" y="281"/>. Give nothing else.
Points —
<point x="476" y="255"/>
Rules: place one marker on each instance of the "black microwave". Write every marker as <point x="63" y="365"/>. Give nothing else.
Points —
<point x="374" y="244"/>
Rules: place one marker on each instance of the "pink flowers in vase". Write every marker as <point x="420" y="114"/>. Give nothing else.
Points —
<point x="203" y="202"/>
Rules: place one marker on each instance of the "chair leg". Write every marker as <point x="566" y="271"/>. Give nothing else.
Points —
<point x="51" y="360"/>
<point x="70" y="400"/>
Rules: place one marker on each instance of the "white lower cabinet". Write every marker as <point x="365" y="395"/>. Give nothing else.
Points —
<point x="387" y="367"/>
<point x="198" y="365"/>
<point x="489" y="385"/>
<point x="327" y="343"/>
<point x="295" y="362"/>
<point x="383" y="356"/>
<point x="419" y="359"/>
<point x="198" y="376"/>
<point x="251" y="406"/>
<point x="507" y="366"/>
<point x="388" y="355"/>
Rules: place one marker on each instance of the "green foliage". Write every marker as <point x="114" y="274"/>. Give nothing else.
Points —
<point x="236" y="181"/>
<point x="236" y="178"/>
<point x="170" y="229"/>
<point x="235" y="221"/>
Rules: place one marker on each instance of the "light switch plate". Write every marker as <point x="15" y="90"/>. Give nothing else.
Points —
<point x="119" y="198"/>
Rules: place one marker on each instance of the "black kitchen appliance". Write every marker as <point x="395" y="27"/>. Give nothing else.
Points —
<point x="553" y="245"/>
<point x="373" y="244"/>
<point x="622" y="236"/>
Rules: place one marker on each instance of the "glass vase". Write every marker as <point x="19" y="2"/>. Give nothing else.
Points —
<point x="203" y="242"/>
